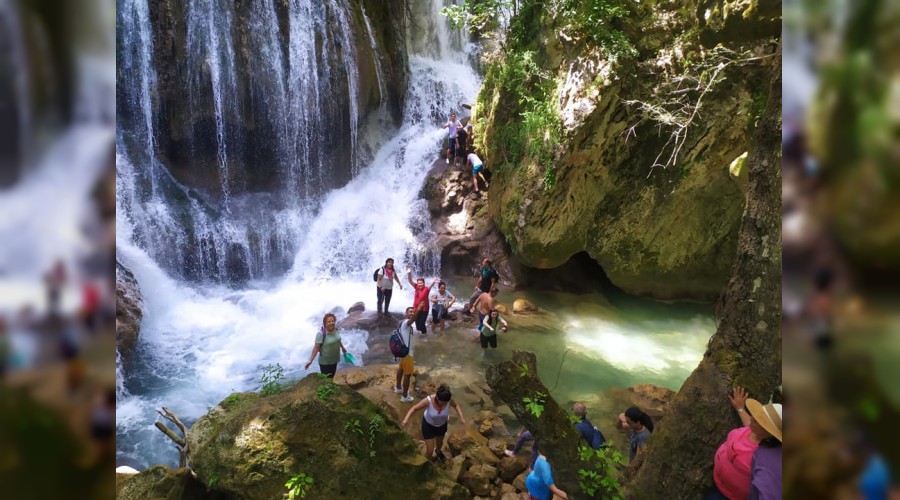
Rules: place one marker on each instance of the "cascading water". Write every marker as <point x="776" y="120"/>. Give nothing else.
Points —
<point x="200" y="342"/>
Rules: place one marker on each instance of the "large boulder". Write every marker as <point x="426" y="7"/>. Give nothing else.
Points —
<point x="128" y="311"/>
<point x="248" y="446"/>
<point x="161" y="483"/>
<point x="479" y="479"/>
<point x="668" y="232"/>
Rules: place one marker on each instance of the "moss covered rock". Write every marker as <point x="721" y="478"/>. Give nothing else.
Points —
<point x="249" y="446"/>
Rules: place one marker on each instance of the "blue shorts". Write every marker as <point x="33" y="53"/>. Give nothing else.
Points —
<point x="475" y="169"/>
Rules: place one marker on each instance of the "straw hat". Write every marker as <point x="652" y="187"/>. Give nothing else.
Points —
<point x="767" y="416"/>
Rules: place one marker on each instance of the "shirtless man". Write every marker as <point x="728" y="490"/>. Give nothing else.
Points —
<point x="483" y="305"/>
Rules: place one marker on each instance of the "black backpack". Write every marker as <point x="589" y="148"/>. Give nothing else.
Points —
<point x="399" y="348"/>
<point x="378" y="271"/>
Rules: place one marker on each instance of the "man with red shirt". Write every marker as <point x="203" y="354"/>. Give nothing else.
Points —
<point x="420" y="299"/>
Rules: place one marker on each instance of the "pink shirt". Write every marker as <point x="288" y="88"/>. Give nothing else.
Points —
<point x="732" y="469"/>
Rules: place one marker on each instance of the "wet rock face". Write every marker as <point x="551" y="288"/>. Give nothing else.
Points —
<point x="161" y="483"/>
<point x="128" y="311"/>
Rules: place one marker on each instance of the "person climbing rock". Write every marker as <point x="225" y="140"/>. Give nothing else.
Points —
<point x="328" y="346"/>
<point x="453" y="126"/>
<point x="485" y="280"/>
<point x="588" y="431"/>
<point x="420" y="300"/>
<point x="385" y="283"/>
<point x="641" y="426"/>
<point x="477" y="166"/>
<point x="407" y="365"/>
<point x="540" y="483"/>
<point x="441" y="300"/>
<point x="435" y="419"/>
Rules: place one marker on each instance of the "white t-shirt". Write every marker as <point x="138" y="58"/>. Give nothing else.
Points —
<point x="453" y="126"/>
<point x="387" y="282"/>
<point x="406" y="334"/>
<point x="442" y="298"/>
<point x="474" y="159"/>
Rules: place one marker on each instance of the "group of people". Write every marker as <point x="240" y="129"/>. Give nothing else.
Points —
<point x="460" y="144"/>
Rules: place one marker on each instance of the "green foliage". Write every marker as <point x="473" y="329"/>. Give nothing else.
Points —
<point x="272" y="380"/>
<point x="298" y="485"/>
<point x="374" y="425"/>
<point x="352" y="426"/>
<point x="213" y="479"/>
<point x="535" y="405"/>
<point x="325" y="391"/>
<point x="599" y="21"/>
<point x="523" y="370"/>
<point x="600" y="475"/>
<point x="480" y="15"/>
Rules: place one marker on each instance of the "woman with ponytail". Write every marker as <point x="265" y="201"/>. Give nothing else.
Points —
<point x="640" y="424"/>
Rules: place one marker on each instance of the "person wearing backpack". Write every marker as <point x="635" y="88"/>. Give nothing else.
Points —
<point x="435" y="419"/>
<point x="590" y="433"/>
<point x="406" y="367"/>
<point x="384" y="280"/>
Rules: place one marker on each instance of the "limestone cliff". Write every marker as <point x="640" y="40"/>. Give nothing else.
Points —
<point x="574" y="169"/>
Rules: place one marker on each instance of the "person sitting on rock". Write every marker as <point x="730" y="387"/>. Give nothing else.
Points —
<point x="591" y="434"/>
<point x="434" y="420"/>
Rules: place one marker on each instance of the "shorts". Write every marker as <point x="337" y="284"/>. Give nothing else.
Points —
<point x="328" y="370"/>
<point x="452" y="142"/>
<point x="461" y="150"/>
<point x="475" y="169"/>
<point x="430" y="432"/>
<point x="407" y="365"/>
<point x="492" y="340"/>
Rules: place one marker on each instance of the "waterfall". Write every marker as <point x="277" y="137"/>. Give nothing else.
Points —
<point x="199" y="340"/>
<point x="376" y="57"/>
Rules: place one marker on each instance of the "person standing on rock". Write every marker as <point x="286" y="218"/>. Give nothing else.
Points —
<point x="485" y="280"/>
<point x="477" y="166"/>
<point x="454" y="126"/>
<point x="483" y="305"/>
<point x="462" y="148"/>
<point x="420" y="299"/>
<point x="440" y="305"/>
<point x="434" y="420"/>
<point x="329" y="346"/>
<point x="385" y="282"/>
<point x="407" y="365"/>
<point x="489" y="327"/>
<point x="540" y="483"/>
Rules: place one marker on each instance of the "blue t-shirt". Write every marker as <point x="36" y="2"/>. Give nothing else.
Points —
<point x="540" y="479"/>
<point x="876" y="479"/>
<point x="637" y="441"/>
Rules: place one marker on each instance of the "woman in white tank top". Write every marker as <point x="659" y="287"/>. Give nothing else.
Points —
<point x="434" y="420"/>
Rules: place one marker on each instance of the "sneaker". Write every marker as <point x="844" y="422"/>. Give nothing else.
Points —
<point x="407" y="399"/>
<point x="447" y="160"/>
<point x="440" y="456"/>
<point x="509" y="453"/>
<point x="398" y="390"/>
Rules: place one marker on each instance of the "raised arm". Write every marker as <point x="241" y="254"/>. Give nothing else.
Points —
<point x="738" y="398"/>
<point x="409" y="277"/>
<point x="418" y="406"/>
<point x="462" y="419"/>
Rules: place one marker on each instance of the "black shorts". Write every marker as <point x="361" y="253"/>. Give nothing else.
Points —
<point x="461" y="150"/>
<point x="328" y="370"/>
<point x="430" y="432"/>
<point x="492" y="340"/>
